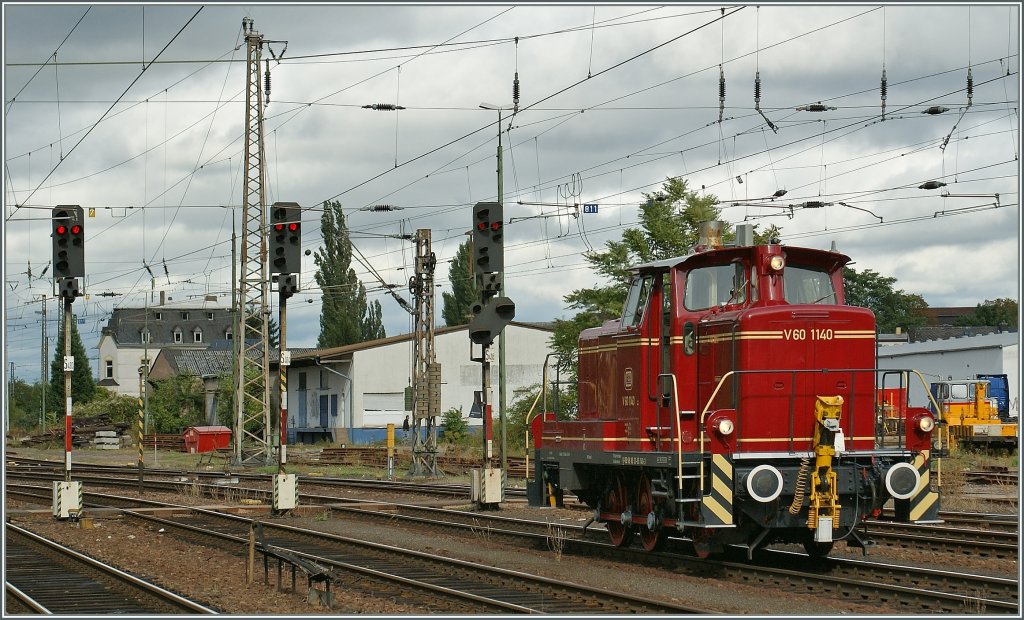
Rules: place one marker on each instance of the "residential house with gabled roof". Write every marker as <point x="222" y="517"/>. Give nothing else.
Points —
<point x="136" y="336"/>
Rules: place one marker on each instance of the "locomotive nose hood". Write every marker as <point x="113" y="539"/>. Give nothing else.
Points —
<point x="784" y="358"/>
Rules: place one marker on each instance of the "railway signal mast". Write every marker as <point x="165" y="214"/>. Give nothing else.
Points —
<point x="68" y="266"/>
<point x="490" y="316"/>
<point x="286" y="262"/>
<point x="426" y="371"/>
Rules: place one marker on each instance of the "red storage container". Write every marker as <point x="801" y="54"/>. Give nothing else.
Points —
<point x="206" y="438"/>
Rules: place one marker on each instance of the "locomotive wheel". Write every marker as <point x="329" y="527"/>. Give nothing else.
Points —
<point x="617" y="501"/>
<point x="645" y="505"/>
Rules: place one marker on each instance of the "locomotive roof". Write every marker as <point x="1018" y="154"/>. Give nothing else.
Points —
<point x="824" y="256"/>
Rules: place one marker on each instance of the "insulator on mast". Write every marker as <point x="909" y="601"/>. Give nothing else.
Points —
<point x="515" y="93"/>
<point x="970" y="87"/>
<point x="266" y="82"/>
<point x="885" y="92"/>
<point x="721" y="92"/>
<point x="757" y="91"/>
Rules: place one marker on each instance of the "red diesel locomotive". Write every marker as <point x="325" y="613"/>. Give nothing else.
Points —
<point x="734" y="403"/>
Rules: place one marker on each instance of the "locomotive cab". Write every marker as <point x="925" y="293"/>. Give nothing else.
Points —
<point x="733" y="402"/>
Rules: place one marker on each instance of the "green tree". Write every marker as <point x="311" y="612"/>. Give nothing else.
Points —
<point x="994" y="312"/>
<point x="83" y="388"/>
<point x="25" y="401"/>
<point x="176" y="403"/>
<point x="456" y="431"/>
<point x="273" y="330"/>
<point x="892" y="307"/>
<point x="463" y="295"/>
<point x="669" y="226"/>
<point x="345" y="317"/>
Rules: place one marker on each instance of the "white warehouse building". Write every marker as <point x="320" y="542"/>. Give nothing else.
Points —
<point x="350" y="394"/>
<point x="957" y="358"/>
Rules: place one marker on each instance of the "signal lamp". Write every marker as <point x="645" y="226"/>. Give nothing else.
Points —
<point x="777" y="263"/>
<point x="725" y="426"/>
<point x="926" y="423"/>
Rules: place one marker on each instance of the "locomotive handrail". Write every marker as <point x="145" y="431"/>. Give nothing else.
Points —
<point x="728" y="374"/>
<point x="544" y="391"/>
<point x="938" y="414"/>
<point x="679" y="428"/>
<point x="701" y="430"/>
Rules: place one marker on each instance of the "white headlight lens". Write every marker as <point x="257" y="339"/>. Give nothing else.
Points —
<point x="725" y="426"/>
<point x="926" y="423"/>
<point x="777" y="263"/>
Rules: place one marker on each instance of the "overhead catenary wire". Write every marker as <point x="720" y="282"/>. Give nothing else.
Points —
<point x="54" y="169"/>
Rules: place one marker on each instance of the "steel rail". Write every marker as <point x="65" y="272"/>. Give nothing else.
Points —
<point x="17" y="566"/>
<point x="552" y="590"/>
<point x="993" y="593"/>
<point x="26" y="600"/>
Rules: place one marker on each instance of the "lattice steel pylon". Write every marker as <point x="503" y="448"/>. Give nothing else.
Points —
<point x="252" y="363"/>
<point x="426" y="371"/>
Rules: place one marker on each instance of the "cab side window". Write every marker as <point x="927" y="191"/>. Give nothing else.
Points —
<point x="636" y="301"/>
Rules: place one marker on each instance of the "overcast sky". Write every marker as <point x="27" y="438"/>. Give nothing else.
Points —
<point x="614" y="100"/>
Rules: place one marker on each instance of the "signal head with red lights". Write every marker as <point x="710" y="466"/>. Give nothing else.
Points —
<point x="488" y="244"/>
<point x="286" y="238"/>
<point x="68" y="242"/>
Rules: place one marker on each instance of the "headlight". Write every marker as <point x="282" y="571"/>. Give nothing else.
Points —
<point x="926" y="423"/>
<point x="725" y="426"/>
<point x="777" y="263"/>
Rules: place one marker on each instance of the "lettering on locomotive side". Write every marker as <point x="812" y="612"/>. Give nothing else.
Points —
<point x="634" y="460"/>
<point x="629" y="401"/>
<point x="802" y="334"/>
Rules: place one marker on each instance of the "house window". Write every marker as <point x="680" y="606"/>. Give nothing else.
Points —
<point x="197" y="336"/>
<point x="145" y="336"/>
<point x="159" y="315"/>
<point x="184" y="316"/>
<point x="323" y="379"/>
<point x="177" y="336"/>
<point x="227" y="334"/>
<point x="110" y="369"/>
<point x="209" y="316"/>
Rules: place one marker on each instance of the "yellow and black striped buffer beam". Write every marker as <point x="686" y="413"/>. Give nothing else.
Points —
<point x="924" y="504"/>
<point x="716" y="504"/>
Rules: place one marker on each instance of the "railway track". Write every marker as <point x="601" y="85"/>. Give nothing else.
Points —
<point x="969" y="538"/>
<point x="907" y="588"/>
<point x="446" y="585"/>
<point x="968" y="520"/>
<point x="45" y="577"/>
<point x="900" y="584"/>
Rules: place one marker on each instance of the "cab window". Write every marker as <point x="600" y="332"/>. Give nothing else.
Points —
<point x="636" y="301"/>
<point x="959" y="390"/>
<point x="807" y="285"/>
<point x="707" y="287"/>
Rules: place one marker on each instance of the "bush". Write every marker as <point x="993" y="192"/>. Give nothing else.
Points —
<point x="456" y="431"/>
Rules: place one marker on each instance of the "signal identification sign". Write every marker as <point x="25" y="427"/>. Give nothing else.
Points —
<point x="590" y="207"/>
